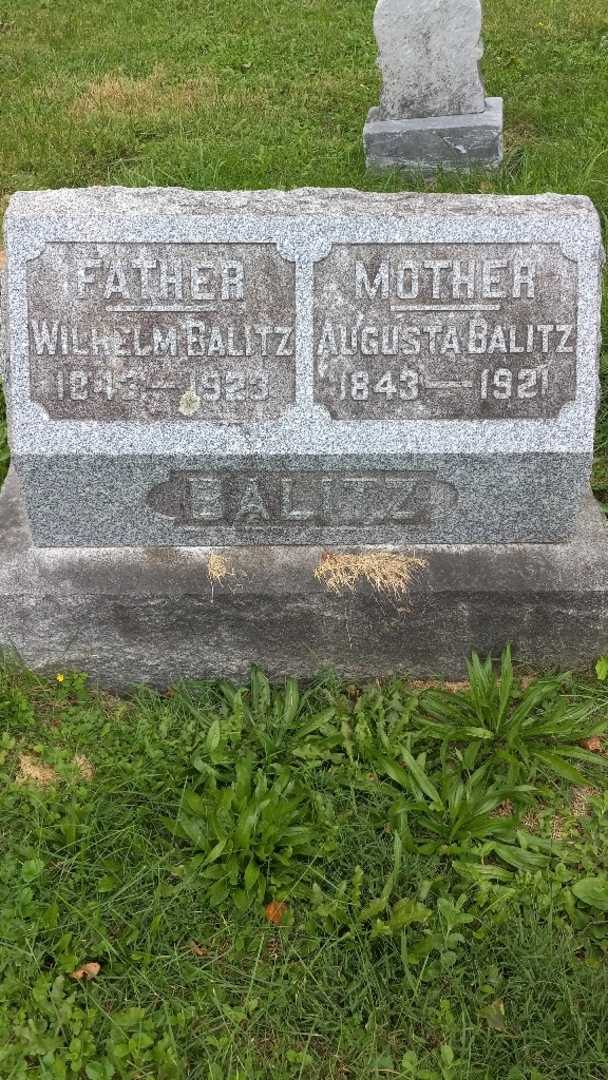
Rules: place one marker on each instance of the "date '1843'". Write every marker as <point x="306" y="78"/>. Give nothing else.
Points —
<point x="461" y="331"/>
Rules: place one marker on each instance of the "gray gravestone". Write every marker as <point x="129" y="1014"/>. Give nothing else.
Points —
<point x="433" y="110"/>
<point x="274" y="373"/>
<point x="315" y="367"/>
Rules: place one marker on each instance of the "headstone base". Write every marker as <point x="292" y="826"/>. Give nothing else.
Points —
<point x="435" y="142"/>
<point x="128" y="615"/>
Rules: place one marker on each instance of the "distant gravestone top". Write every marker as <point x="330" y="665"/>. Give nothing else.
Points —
<point x="331" y="367"/>
<point x="433" y="113"/>
<point x="429" y="53"/>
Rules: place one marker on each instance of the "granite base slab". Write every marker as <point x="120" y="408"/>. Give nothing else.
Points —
<point x="127" y="615"/>
<point x="435" y="142"/>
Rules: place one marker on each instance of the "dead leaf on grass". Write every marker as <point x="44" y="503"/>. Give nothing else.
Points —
<point x="594" y="744"/>
<point x="275" y="912"/>
<point x="86" y="972"/>
<point x="196" y="949"/>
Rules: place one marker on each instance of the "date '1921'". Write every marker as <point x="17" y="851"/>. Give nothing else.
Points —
<point x="409" y="384"/>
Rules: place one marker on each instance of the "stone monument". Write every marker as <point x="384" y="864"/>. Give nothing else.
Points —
<point x="433" y="110"/>
<point x="212" y="394"/>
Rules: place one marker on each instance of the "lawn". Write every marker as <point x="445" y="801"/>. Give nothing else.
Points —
<point x="331" y="883"/>
<point x="275" y="884"/>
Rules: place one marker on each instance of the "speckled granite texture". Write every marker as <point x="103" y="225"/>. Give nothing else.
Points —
<point x="435" y="142"/>
<point x="433" y="112"/>
<point x="130" y="614"/>
<point x="428" y="55"/>
<point x="138" y="442"/>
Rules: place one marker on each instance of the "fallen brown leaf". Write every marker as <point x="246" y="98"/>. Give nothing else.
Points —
<point x="275" y="911"/>
<point x="594" y="744"/>
<point x="198" y="950"/>
<point x="86" y="972"/>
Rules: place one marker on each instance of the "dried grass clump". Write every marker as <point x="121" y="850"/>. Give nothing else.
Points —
<point x="558" y="828"/>
<point x="579" y="801"/>
<point x="84" y="766"/>
<point x="439" y="684"/>
<point x="218" y="569"/>
<point x="117" y="94"/>
<point x="386" y="572"/>
<point x="531" y="821"/>
<point x="34" y="771"/>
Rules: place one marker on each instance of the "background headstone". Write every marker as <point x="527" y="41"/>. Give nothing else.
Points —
<point x="429" y="53"/>
<point x="433" y="111"/>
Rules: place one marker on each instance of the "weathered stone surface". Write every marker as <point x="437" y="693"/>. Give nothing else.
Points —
<point x="310" y="367"/>
<point x="433" y="112"/>
<point x="169" y="331"/>
<point x="428" y="54"/>
<point x="475" y="498"/>
<point x="132" y="614"/>
<point x="438" y="142"/>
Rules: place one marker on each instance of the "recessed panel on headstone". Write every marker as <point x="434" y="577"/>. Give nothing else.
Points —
<point x="146" y="332"/>
<point x="467" y="331"/>
<point x="313" y="367"/>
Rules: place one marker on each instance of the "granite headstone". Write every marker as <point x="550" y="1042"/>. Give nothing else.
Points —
<point x="433" y="110"/>
<point x="313" y="367"/>
<point x="208" y="391"/>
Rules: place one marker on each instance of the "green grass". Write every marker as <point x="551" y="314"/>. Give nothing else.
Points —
<point x="214" y="94"/>
<point x="482" y="956"/>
